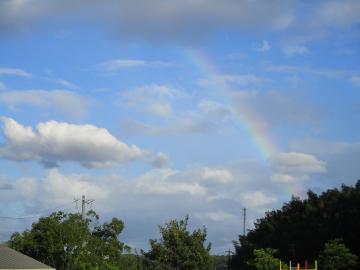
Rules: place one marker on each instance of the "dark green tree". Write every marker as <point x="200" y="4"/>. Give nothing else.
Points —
<point x="336" y="256"/>
<point x="300" y="228"/>
<point x="178" y="248"/>
<point x="66" y="241"/>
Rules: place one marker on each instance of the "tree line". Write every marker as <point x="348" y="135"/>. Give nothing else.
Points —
<point x="323" y="227"/>
<point x="306" y="230"/>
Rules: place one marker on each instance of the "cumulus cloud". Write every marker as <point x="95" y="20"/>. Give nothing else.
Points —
<point x="195" y="182"/>
<point x="54" y="142"/>
<point x="283" y="178"/>
<point x="162" y="182"/>
<point x="222" y="176"/>
<point x="294" y="166"/>
<point x="340" y="156"/>
<point x="298" y="162"/>
<point x="256" y="199"/>
<point x="149" y="199"/>
<point x="66" y="102"/>
<point x="14" y="71"/>
<point x="57" y="189"/>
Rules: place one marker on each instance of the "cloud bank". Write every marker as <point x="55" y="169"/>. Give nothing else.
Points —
<point x="66" y="102"/>
<point x="53" y="142"/>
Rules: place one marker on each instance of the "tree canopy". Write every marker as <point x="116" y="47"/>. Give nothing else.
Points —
<point x="66" y="241"/>
<point x="265" y="260"/>
<point x="336" y="256"/>
<point x="300" y="228"/>
<point x="178" y="248"/>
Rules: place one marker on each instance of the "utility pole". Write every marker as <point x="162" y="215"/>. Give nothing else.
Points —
<point x="83" y="206"/>
<point x="229" y="258"/>
<point x="244" y="222"/>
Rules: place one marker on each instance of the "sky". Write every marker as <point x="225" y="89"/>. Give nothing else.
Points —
<point x="159" y="109"/>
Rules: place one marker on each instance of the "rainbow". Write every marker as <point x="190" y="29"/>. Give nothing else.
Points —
<point x="249" y="119"/>
<point x="254" y="125"/>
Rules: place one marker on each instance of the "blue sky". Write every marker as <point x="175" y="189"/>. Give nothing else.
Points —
<point x="159" y="109"/>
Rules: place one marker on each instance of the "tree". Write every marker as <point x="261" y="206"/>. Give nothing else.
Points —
<point x="265" y="260"/>
<point x="300" y="228"/>
<point x="178" y="248"/>
<point x="66" y="241"/>
<point x="336" y="256"/>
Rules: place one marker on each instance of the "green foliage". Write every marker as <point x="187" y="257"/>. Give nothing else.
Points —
<point x="130" y="262"/>
<point x="66" y="241"/>
<point x="219" y="261"/>
<point x="178" y="248"/>
<point x="265" y="260"/>
<point x="301" y="228"/>
<point x="336" y="256"/>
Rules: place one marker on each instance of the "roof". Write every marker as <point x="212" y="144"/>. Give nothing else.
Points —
<point x="12" y="259"/>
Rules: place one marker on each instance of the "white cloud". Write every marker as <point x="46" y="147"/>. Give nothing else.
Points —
<point x="161" y="182"/>
<point x="292" y="167"/>
<point x="294" y="162"/>
<point x="154" y="99"/>
<point x="149" y="199"/>
<point x="264" y="47"/>
<point x="256" y="199"/>
<point x="57" y="189"/>
<point x="283" y="178"/>
<point x="222" y="176"/>
<point x="14" y="72"/>
<point x="65" y="102"/>
<point x="118" y="64"/>
<point x="292" y="50"/>
<point x="54" y="142"/>
<point x="66" y="84"/>
<point x="341" y="158"/>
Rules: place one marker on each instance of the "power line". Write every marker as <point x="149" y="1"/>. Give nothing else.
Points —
<point x="23" y="217"/>
<point x="37" y="214"/>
